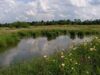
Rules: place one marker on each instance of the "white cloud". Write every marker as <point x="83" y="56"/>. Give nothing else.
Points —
<point x="80" y="3"/>
<point x="23" y="10"/>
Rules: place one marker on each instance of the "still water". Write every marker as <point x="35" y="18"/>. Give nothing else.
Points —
<point x="34" y="47"/>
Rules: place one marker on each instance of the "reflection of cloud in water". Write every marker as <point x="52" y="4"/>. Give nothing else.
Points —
<point x="29" y="48"/>
<point x="60" y="43"/>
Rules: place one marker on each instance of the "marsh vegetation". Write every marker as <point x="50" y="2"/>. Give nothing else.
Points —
<point x="81" y="59"/>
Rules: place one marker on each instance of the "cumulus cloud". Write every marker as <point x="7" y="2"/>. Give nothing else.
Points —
<point x="29" y="10"/>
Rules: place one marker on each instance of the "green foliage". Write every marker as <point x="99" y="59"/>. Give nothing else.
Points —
<point x="19" y="24"/>
<point x="46" y="23"/>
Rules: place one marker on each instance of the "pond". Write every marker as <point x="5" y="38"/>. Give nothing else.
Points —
<point x="29" y="48"/>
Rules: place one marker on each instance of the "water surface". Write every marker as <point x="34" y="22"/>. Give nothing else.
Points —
<point x="34" y="47"/>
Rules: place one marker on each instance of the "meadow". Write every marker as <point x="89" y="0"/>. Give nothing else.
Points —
<point x="83" y="59"/>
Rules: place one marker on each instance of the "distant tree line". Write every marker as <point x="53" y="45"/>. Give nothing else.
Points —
<point x="19" y="24"/>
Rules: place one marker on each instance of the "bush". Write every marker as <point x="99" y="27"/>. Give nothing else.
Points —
<point x="20" y="25"/>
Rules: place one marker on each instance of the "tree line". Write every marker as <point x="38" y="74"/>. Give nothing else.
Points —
<point x="19" y="24"/>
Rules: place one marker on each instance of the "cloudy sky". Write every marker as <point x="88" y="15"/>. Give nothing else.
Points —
<point x="29" y="10"/>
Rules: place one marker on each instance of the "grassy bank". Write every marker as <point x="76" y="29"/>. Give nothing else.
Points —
<point x="9" y="37"/>
<point x="81" y="60"/>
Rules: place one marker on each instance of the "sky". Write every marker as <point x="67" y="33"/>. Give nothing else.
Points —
<point x="36" y="10"/>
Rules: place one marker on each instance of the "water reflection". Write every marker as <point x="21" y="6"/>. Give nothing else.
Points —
<point x="29" y="48"/>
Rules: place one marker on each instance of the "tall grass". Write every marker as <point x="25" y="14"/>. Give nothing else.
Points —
<point x="8" y="40"/>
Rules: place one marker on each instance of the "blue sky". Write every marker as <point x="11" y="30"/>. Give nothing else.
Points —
<point x="29" y="10"/>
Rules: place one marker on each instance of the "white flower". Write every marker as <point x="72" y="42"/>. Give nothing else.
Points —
<point x="72" y="68"/>
<point x="76" y="63"/>
<point x="62" y="56"/>
<point x="45" y="56"/>
<point x="87" y="72"/>
<point x="62" y="64"/>
<point x="93" y="49"/>
<point x="89" y="57"/>
<point x="96" y="37"/>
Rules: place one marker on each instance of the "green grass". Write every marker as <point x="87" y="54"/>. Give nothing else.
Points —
<point x="78" y="60"/>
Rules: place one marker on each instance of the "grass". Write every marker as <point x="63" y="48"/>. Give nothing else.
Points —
<point x="78" y="60"/>
<point x="83" y="28"/>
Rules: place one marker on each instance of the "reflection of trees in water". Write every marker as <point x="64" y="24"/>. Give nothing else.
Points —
<point x="72" y="35"/>
<point x="80" y="35"/>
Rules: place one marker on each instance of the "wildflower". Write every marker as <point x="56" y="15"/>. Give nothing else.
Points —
<point x="62" y="53"/>
<point x="93" y="49"/>
<point x="45" y="56"/>
<point x="62" y="56"/>
<point x="70" y="59"/>
<point x="76" y="63"/>
<point x="89" y="57"/>
<point x="72" y="68"/>
<point x="87" y="72"/>
<point x="62" y="64"/>
<point x="96" y="37"/>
